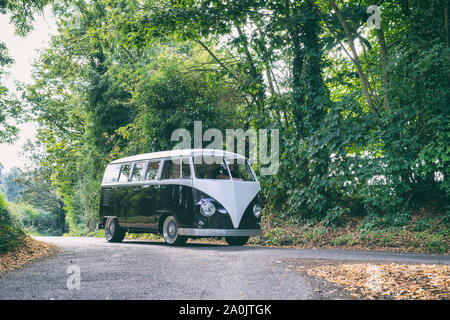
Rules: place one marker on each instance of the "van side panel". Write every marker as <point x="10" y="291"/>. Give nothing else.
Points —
<point x="141" y="212"/>
<point x="184" y="205"/>
<point x="111" y="203"/>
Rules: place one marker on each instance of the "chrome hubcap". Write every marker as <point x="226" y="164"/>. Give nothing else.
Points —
<point x="170" y="230"/>
<point x="109" y="230"/>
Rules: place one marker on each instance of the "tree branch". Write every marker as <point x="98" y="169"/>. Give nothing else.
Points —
<point x="362" y="75"/>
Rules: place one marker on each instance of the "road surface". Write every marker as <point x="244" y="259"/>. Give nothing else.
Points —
<point x="92" y="268"/>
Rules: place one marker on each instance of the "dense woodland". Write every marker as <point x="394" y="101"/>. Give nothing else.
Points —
<point x="362" y="112"/>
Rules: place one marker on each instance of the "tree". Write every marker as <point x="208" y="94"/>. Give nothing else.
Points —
<point x="96" y="99"/>
<point x="37" y="191"/>
<point x="9" y="185"/>
<point x="362" y="113"/>
<point x="21" y="16"/>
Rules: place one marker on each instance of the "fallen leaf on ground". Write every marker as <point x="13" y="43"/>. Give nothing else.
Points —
<point x="396" y="281"/>
<point x="31" y="249"/>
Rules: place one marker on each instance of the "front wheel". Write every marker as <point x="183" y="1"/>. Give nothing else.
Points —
<point x="113" y="232"/>
<point x="236" y="241"/>
<point x="170" y="232"/>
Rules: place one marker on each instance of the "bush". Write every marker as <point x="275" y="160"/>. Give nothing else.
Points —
<point x="34" y="220"/>
<point x="10" y="237"/>
<point x="436" y="245"/>
<point x="11" y="234"/>
<point x="336" y="217"/>
<point x="399" y="219"/>
<point x="345" y="239"/>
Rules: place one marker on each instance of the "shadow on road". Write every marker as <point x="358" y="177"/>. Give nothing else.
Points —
<point x="190" y="245"/>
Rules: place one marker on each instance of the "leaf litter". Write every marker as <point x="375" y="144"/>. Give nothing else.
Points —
<point x="31" y="250"/>
<point x="388" y="281"/>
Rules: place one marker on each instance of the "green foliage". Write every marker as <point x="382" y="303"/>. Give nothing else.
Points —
<point x="437" y="244"/>
<point x="96" y="99"/>
<point x="21" y="15"/>
<point x="276" y="236"/>
<point x="22" y="12"/>
<point x="4" y="209"/>
<point x="422" y="234"/>
<point x="11" y="234"/>
<point x="343" y="240"/>
<point x="396" y="219"/>
<point x="9" y="185"/>
<point x="32" y="202"/>
<point x="10" y="107"/>
<point x="35" y="221"/>
<point x="365" y="135"/>
<point x="336" y="217"/>
<point x="83" y="233"/>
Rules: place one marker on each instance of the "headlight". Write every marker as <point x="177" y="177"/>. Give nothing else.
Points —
<point x="257" y="210"/>
<point x="207" y="208"/>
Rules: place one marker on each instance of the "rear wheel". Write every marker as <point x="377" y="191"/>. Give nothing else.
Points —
<point x="113" y="232"/>
<point x="170" y="232"/>
<point x="236" y="241"/>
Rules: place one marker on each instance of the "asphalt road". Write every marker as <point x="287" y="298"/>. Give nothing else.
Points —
<point x="153" y="270"/>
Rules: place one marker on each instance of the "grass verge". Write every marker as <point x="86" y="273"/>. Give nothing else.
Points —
<point x="422" y="234"/>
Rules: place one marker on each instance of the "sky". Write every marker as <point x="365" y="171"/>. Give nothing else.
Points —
<point x="24" y="51"/>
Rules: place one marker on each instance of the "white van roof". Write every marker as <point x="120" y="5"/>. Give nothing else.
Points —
<point x="178" y="153"/>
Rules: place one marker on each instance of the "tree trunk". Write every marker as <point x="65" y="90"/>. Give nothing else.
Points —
<point x="362" y="76"/>
<point x="446" y="22"/>
<point x="297" y="70"/>
<point x="256" y="76"/>
<point x="384" y="63"/>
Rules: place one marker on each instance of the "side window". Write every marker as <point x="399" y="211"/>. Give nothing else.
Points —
<point x="125" y="173"/>
<point x="171" y="170"/>
<point x="239" y="170"/>
<point x="111" y="173"/>
<point x="152" y="171"/>
<point x="210" y="168"/>
<point x="185" y="169"/>
<point x="138" y="171"/>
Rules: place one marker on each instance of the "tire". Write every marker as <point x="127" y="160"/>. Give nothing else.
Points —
<point x="113" y="232"/>
<point x="236" y="241"/>
<point x="170" y="232"/>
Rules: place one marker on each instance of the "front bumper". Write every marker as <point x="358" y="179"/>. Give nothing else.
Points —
<point x="219" y="232"/>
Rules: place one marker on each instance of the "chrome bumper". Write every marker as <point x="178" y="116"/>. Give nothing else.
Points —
<point x="219" y="232"/>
